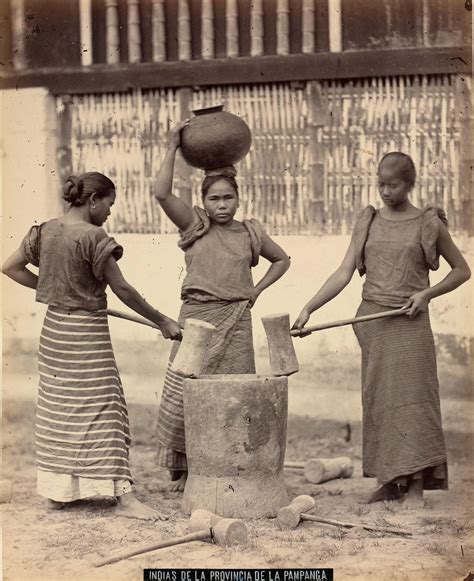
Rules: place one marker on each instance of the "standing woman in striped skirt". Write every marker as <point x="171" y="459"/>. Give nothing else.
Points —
<point x="82" y="429"/>
<point x="395" y="247"/>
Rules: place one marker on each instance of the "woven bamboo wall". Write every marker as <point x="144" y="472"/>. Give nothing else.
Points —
<point x="345" y="131"/>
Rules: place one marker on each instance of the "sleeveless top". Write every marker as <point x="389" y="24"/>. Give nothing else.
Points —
<point x="219" y="259"/>
<point x="71" y="260"/>
<point x="396" y="256"/>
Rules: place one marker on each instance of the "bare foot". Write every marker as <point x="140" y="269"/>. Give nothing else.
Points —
<point x="414" y="498"/>
<point x="178" y="485"/>
<point x="413" y="502"/>
<point x="129" y="506"/>
<point x="54" y="504"/>
<point x="385" y="493"/>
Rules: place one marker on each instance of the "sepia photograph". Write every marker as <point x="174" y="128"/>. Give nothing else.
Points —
<point x="236" y="296"/>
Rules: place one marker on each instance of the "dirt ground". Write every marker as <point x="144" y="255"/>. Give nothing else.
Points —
<point x="39" y="544"/>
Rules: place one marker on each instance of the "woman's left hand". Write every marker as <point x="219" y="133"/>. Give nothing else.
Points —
<point x="417" y="303"/>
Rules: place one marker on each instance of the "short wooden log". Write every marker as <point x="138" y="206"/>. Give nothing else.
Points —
<point x="322" y="470"/>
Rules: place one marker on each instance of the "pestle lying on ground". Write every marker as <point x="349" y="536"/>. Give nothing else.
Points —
<point x="203" y="526"/>
<point x="290" y="516"/>
<point x="317" y="470"/>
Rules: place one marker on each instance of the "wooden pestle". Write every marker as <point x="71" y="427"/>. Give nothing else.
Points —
<point x="193" y="352"/>
<point x="289" y="516"/>
<point x="281" y="352"/>
<point x="225" y="531"/>
<point x="203" y="526"/>
<point x="337" y="523"/>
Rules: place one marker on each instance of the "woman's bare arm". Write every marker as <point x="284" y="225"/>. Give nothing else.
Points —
<point x="15" y="268"/>
<point x="132" y="298"/>
<point x="331" y="288"/>
<point x="280" y="263"/>
<point x="459" y="273"/>
<point x="176" y="209"/>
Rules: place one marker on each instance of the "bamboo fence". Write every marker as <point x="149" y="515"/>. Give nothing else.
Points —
<point x="353" y="124"/>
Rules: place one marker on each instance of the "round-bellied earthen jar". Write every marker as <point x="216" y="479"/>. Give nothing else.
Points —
<point x="214" y="139"/>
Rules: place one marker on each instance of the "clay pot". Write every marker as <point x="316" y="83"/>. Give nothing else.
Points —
<point x="215" y="138"/>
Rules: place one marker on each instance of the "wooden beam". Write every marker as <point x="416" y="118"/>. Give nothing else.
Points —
<point x="302" y="67"/>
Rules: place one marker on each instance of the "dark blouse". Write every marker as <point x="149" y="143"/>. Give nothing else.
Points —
<point x="219" y="259"/>
<point x="71" y="260"/>
<point x="396" y="256"/>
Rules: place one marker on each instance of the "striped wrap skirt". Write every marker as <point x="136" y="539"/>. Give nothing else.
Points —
<point x="402" y="434"/>
<point x="82" y="428"/>
<point x="231" y="352"/>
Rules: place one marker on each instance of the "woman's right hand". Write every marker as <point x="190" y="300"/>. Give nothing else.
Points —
<point x="301" y="320"/>
<point x="174" y="135"/>
<point x="170" y="329"/>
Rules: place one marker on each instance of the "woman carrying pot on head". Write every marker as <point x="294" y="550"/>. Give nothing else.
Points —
<point x="218" y="288"/>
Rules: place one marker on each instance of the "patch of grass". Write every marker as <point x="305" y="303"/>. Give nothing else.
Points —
<point x="360" y="509"/>
<point x="338" y="533"/>
<point x="356" y="547"/>
<point x="447" y="526"/>
<point x="328" y="551"/>
<point x="437" y="548"/>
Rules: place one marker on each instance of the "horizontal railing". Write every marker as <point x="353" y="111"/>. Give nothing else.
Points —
<point x="93" y="34"/>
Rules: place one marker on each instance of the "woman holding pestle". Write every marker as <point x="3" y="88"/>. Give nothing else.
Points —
<point x="218" y="288"/>
<point x="395" y="247"/>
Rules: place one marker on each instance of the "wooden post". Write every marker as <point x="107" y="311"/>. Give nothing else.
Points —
<point x="85" y="18"/>
<point x="184" y="31"/>
<point x="112" y="39"/>
<point x="182" y="169"/>
<point x="134" y="37"/>
<point x="18" y="34"/>
<point x="158" y="30"/>
<point x="466" y="163"/>
<point x="283" y="27"/>
<point x="335" y="25"/>
<point x="256" y="28"/>
<point x="425" y="20"/>
<point x="64" y="157"/>
<point x="207" y="30"/>
<point x="308" y="26"/>
<point x="232" y="28"/>
<point x="318" y="184"/>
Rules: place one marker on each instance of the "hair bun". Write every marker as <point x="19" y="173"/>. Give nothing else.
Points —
<point x="73" y="190"/>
